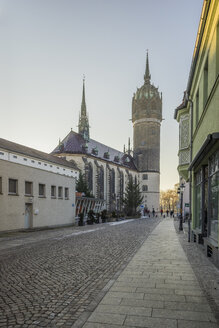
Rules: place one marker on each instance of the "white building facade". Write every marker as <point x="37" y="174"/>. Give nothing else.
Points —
<point x="36" y="189"/>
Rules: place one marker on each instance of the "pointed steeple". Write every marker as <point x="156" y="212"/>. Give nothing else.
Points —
<point x="129" y="149"/>
<point x="83" y="102"/>
<point x="147" y="75"/>
<point x="83" y="125"/>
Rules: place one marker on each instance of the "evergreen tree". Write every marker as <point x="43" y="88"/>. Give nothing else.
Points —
<point x="81" y="185"/>
<point x="132" y="198"/>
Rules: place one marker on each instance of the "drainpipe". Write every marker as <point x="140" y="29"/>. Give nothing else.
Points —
<point x="190" y="172"/>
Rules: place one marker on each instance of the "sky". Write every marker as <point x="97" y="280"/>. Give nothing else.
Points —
<point x="48" y="45"/>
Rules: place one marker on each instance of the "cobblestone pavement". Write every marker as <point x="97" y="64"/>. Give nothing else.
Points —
<point x="157" y="289"/>
<point x="49" y="278"/>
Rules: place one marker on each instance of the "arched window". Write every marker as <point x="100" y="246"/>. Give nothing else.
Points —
<point x="90" y="177"/>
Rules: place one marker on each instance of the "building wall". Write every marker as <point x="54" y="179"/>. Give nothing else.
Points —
<point x="147" y="144"/>
<point x="46" y="211"/>
<point x="106" y="166"/>
<point x="204" y="82"/>
<point x="151" y="195"/>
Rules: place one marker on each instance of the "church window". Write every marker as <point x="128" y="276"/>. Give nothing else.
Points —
<point x="90" y="177"/>
<point x="101" y="180"/>
<point x="145" y="177"/>
<point x="144" y="188"/>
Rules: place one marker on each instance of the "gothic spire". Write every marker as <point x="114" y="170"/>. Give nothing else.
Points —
<point x="129" y="149"/>
<point x="147" y="75"/>
<point x="83" y="102"/>
<point x="83" y="126"/>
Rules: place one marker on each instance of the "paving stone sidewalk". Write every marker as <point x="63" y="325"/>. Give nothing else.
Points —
<point x="157" y="289"/>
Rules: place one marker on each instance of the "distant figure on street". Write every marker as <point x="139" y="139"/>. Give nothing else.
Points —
<point x="153" y="212"/>
<point x="167" y="212"/>
<point x="161" y="212"/>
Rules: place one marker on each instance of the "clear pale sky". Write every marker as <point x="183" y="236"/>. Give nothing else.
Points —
<point x="47" y="46"/>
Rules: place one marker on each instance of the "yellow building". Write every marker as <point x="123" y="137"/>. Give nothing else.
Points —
<point x="198" y="118"/>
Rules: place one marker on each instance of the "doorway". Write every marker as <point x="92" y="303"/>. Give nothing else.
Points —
<point x="28" y="223"/>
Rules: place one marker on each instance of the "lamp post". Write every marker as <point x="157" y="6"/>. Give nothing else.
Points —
<point x="180" y="191"/>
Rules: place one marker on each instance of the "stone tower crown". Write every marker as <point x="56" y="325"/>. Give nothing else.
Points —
<point x="83" y="125"/>
<point x="146" y="119"/>
<point x="147" y="101"/>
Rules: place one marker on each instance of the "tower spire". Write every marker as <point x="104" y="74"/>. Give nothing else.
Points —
<point x="129" y="149"/>
<point x="147" y="75"/>
<point x="83" y="102"/>
<point x="83" y="125"/>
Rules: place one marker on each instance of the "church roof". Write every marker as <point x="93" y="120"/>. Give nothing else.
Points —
<point x="74" y="143"/>
<point x="27" y="151"/>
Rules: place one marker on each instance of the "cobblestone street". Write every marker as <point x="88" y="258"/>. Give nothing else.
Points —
<point x="48" y="278"/>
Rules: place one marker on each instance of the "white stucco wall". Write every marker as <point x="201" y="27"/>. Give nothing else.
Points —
<point x="152" y="195"/>
<point x="50" y="211"/>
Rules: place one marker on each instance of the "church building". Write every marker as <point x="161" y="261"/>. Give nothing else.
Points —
<point x="107" y="170"/>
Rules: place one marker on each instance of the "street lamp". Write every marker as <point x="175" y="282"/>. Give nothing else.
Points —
<point x="180" y="191"/>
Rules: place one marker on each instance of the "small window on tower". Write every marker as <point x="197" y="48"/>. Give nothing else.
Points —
<point x="145" y="177"/>
<point x="144" y="188"/>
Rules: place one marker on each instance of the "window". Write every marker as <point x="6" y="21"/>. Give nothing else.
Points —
<point x="42" y="190"/>
<point x="45" y="164"/>
<point x="53" y="191"/>
<point x="145" y="177"/>
<point x="14" y="156"/>
<point x="25" y="159"/>
<point x="60" y="192"/>
<point x="1" y="153"/>
<point x="39" y="163"/>
<point x="66" y="193"/>
<point x="197" y="109"/>
<point x="28" y="188"/>
<point x="205" y="93"/>
<point x="32" y="161"/>
<point x="144" y="188"/>
<point x="214" y="195"/>
<point x="12" y="187"/>
<point x="0" y="185"/>
<point x="198" y="199"/>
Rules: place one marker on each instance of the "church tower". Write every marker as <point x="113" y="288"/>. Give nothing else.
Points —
<point x="83" y="125"/>
<point x="146" y="119"/>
